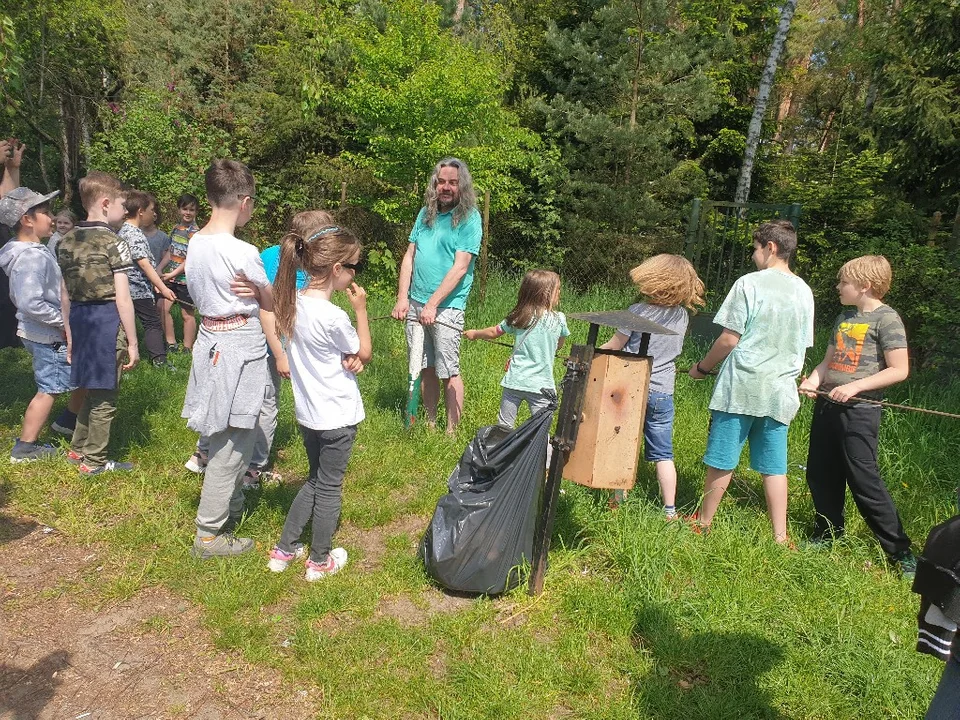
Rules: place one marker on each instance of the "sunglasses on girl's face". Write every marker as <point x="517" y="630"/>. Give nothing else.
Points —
<point x="357" y="267"/>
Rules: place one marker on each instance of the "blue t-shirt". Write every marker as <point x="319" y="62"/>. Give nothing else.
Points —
<point x="437" y="247"/>
<point x="534" y="348"/>
<point x="271" y="263"/>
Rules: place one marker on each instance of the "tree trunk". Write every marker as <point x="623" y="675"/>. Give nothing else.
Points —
<point x="458" y="13"/>
<point x="826" y="130"/>
<point x="760" y="106"/>
<point x="65" y="164"/>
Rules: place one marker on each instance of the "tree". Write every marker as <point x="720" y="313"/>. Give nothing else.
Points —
<point x="760" y="106"/>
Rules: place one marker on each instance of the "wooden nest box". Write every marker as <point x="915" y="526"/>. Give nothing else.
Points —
<point x="610" y="433"/>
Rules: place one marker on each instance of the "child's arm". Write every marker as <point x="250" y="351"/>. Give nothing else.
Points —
<point x="490" y="333"/>
<point x="164" y="259"/>
<point x="722" y="347"/>
<point x="898" y="367"/>
<point x="617" y="342"/>
<point x="358" y="299"/>
<point x="269" y="322"/>
<point x="121" y="284"/>
<point x="147" y="267"/>
<point x="812" y="382"/>
<point x="65" y="311"/>
<point x="167" y="276"/>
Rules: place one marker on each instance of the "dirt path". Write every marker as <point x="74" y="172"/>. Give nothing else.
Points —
<point x="147" y="657"/>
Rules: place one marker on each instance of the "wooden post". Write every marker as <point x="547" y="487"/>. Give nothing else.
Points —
<point x="343" y="194"/>
<point x="954" y="244"/>
<point x="692" y="228"/>
<point x="484" y="243"/>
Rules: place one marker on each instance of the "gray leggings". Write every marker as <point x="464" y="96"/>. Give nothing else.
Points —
<point x="321" y="495"/>
<point x="510" y="405"/>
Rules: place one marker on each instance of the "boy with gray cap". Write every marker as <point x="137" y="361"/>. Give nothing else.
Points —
<point x="35" y="282"/>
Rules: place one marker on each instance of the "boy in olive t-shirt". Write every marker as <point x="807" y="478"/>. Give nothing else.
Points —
<point x="868" y="353"/>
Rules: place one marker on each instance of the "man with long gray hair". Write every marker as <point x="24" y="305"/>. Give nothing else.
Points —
<point x="435" y="278"/>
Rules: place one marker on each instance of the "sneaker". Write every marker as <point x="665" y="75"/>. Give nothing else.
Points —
<point x="28" y="452"/>
<point x="251" y="479"/>
<point x="280" y="559"/>
<point x="197" y="463"/>
<point x="108" y="466"/>
<point x="164" y="365"/>
<point x="694" y="522"/>
<point x="172" y="349"/>
<point x="65" y="424"/>
<point x="223" y="545"/>
<point x="331" y="566"/>
<point x="907" y="562"/>
<point x="74" y="458"/>
<point x="186" y="350"/>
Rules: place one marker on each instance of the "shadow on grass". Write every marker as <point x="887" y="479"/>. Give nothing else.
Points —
<point x="703" y="675"/>
<point x="26" y="691"/>
<point x="17" y="388"/>
<point x="12" y="527"/>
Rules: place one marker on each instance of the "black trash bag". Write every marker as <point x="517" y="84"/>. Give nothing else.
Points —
<point x="482" y="529"/>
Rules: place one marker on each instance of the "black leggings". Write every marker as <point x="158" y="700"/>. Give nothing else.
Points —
<point x="148" y="312"/>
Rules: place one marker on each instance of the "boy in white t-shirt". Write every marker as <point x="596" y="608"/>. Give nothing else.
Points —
<point x="229" y="367"/>
<point x="767" y="321"/>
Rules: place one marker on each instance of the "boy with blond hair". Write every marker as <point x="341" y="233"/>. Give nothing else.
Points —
<point x="868" y="353"/>
<point x="98" y="312"/>
<point x="229" y="372"/>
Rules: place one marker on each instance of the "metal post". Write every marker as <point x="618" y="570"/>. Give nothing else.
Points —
<point x="564" y="441"/>
<point x="574" y="387"/>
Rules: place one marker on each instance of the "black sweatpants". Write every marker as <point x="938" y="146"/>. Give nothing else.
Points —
<point x="148" y="313"/>
<point x="843" y="451"/>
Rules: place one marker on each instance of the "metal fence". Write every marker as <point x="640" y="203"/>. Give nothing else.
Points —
<point x="720" y="240"/>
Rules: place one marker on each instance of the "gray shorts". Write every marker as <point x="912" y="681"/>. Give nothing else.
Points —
<point x="441" y="345"/>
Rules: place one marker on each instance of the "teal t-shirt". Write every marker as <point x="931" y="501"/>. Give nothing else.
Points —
<point x="271" y="264"/>
<point x="436" y="249"/>
<point x="773" y="312"/>
<point x="534" y="348"/>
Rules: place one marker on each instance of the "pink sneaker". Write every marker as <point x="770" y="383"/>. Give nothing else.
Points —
<point x="333" y="564"/>
<point x="279" y="560"/>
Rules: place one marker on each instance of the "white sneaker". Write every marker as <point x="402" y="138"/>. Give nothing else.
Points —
<point x="279" y="560"/>
<point x="334" y="564"/>
<point x="196" y="464"/>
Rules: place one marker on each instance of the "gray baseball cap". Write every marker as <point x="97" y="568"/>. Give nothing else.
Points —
<point x="18" y="202"/>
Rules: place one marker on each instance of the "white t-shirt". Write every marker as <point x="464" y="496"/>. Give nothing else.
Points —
<point x="212" y="264"/>
<point x="773" y="312"/>
<point x="325" y="396"/>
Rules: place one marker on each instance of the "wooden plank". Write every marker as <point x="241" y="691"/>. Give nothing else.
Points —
<point x="607" y="452"/>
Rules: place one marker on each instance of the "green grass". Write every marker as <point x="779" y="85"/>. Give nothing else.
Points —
<point x="639" y="619"/>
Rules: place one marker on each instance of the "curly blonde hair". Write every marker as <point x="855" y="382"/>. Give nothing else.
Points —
<point x="669" y="280"/>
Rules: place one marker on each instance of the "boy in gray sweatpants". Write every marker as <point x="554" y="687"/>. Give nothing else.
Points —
<point x="229" y="371"/>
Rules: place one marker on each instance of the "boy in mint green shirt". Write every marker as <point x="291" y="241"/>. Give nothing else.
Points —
<point x="767" y="320"/>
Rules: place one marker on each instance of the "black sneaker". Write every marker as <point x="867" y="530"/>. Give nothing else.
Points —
<point x="65" y="424"/>
<point x="164" y="365"/>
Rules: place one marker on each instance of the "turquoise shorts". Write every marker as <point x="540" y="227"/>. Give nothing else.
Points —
<point x="727" y="434"/>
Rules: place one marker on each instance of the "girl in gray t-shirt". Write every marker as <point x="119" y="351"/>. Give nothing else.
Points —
<point x="670" y="287"/>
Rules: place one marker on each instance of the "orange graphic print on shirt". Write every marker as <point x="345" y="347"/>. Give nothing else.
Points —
<point x="849" y="346"/>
